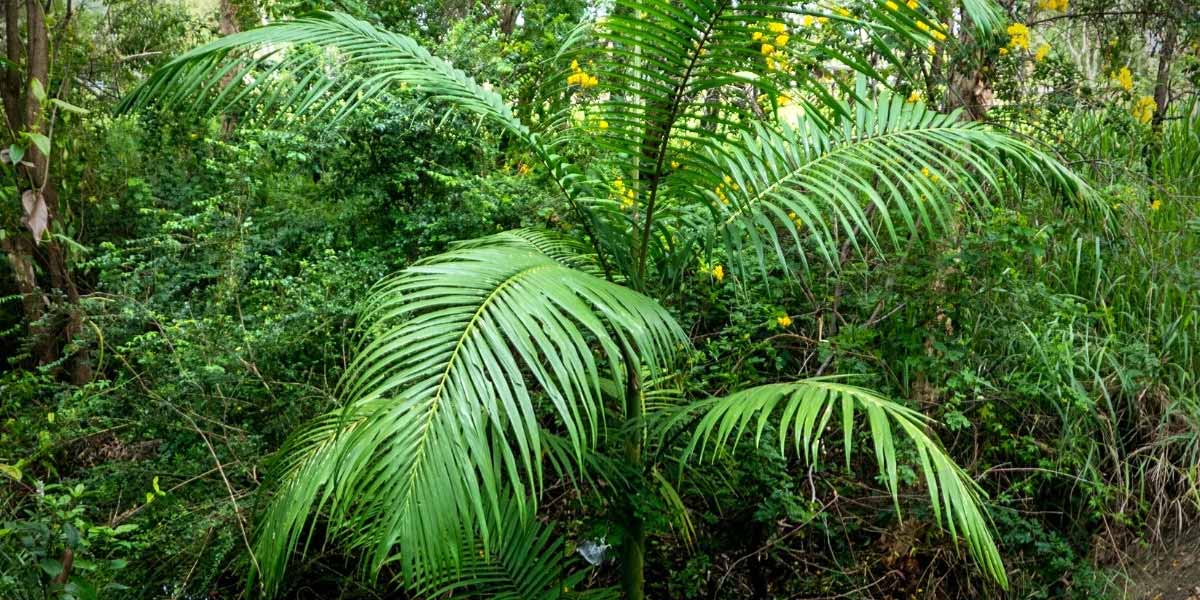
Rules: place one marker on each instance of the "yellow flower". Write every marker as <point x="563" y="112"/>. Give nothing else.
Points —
<point x="767" y="49"/>
<point x="925" y="171"/>
<point x="842" y="11"/>
<point x="922" y="25"/>
<point x="892" y="5"/>
<point x="937" y="35"/>
<point x="575" y="65"/>
<point x="781" y="40"/>
<point x="914" y="96"/>
<point x="1124" y="78"/>
<point x="777" y="27"/>
<point x="603" y="124"/>
<point x="932" y="48"/>
<point x="1157" y="204"/>
<point x="784" y="100"/>
<point x="807" y="21"/>
<point x="523" y="169"/>
<point x="784" y="321"/>
<point x="674" y="164"/>
<point x="1003" y="51"/>
<point x="757" y="36"/>
<point x="718" y="273"/>
<point x="822" y="20"/>
<point x="1041" y="53"/>
<point x="1018" y="36"/>
<point x="1060" y="5"/>
<point x="913" y="4"/>
<point x="1144" y="109"/>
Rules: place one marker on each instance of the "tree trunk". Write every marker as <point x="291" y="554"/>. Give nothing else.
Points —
<point x="633" y="546"/>
<point x="51" y="308"/>
<point x="227" y="24"/>
<point x="1162" y="82"/>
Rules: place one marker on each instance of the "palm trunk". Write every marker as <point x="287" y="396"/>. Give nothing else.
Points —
<point x="633" y="546"/>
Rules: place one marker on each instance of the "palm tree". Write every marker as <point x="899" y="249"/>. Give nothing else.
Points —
<point x="482" y="367"/>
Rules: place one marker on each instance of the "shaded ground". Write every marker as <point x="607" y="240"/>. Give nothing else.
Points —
<point x="1171" y="573"/>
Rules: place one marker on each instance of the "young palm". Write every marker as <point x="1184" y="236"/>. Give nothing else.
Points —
<point x="481" y="367"/>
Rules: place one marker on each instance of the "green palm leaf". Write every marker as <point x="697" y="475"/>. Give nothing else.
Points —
<point x="801" y="411"/>
<point x="326" y="64"/>
<point x="908" y="165"/>
<point x="464" y="356"/>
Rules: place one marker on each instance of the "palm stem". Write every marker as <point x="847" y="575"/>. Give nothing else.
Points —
<point x="633" y="545"/>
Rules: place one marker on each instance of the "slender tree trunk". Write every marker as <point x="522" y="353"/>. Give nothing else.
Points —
<point x="51" y="308"/>
<point x="633" y="546"/>
<point x="1162" y="92"/>
<point x="1162" y="82"/>
<point x="227" y="24"/>
<point x="12" y="77"/>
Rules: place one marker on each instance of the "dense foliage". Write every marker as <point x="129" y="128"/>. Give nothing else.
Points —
<point x="622" y="299"/>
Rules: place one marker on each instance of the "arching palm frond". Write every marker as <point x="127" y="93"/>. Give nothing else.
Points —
<point x="908" y="165"/>
<point x="464" y="356"/>
<point x="675" y="83"/>
<point x="326" y="64"/>
<point x="563" y="249"/>
<point x="802" y="411"/>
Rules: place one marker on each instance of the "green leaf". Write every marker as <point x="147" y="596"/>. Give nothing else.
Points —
<point x="16" y="153"/>
<point x="36" y="88"/>
<point x="52" y="567"/>
<point x="67" y="106"/>
<point x="11" y="471"/>
<point x="440" y="423"/>
<point x="802" y="410"/>
<point x="42" y="142"/>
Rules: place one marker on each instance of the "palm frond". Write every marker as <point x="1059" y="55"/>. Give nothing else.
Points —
<point x="817" y="184"/>
<point x="464" y="356"/>
<point x="326" y="64"/>
<point x="801" y="412"/>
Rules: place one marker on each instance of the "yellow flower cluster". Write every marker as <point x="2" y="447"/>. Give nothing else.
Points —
<point x="1157" y="204"/>
<point x="891" y="5"/>
<point x="770" y="45"/>
<point x="796" y="220"/>
<point x="783" y="100"/>
<point x="720" y="189"/>
<point x="842" y="11"/>
<point x="718" y="273"/>
<point x="626" y="194"/>
<point x="580" y="78"/>
<point x="914" y="96"/>
<point x="1059" y="5"/>
<point x="930" y="174"/>
<point x="1018" y="36"/>
<point x="1124" y="78"/>
<point x="1144" y="109"/>
<point x="1041" y="53"/>
<point x="784" y="321"/>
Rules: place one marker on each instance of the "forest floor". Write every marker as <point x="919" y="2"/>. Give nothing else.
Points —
<point x="1169" y="573"/>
